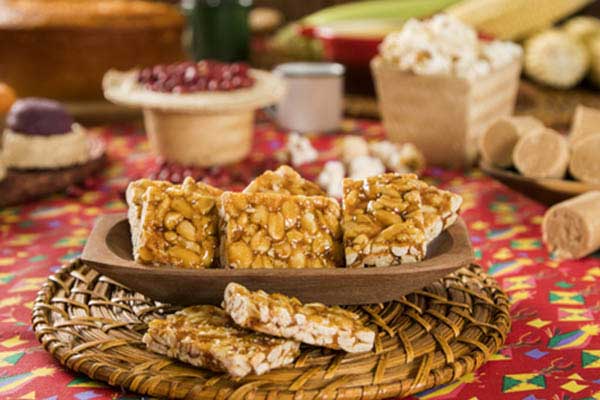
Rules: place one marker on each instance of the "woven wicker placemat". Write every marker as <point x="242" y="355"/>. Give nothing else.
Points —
<point x="94" y="325"/>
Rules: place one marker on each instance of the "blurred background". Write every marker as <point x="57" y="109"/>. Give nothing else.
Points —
<point x="61" y="48"/>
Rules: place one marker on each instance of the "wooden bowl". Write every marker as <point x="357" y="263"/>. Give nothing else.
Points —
<point x="545" y="190"/>
<point x="108" y="250"/>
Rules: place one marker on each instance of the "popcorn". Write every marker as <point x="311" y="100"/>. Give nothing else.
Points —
<point x="352" y="147"/>
<point x="300" y="149"/>
<point x="365" y="166"/>
<point x="331" y="178"/>
<point x="444" y="45"/>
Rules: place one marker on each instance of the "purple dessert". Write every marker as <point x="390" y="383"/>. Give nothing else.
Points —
<point x="41" y="117"/>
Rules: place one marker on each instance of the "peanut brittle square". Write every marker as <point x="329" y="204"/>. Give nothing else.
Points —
<point x="383" y="222"/>
<point x="440" y="210"/>
<point x="134" y="196"/>
<point x="282" y="316"/>
<point x="178" y="227"/>
<point x="268" y="230"/>
<point x="284" y="180"/>
<point x="206" y="337"/>
<point x="136" y="189"/>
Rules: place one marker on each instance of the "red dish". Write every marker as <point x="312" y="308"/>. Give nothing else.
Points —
<point x="346" y="48"/>
<point x="354" y="44"/>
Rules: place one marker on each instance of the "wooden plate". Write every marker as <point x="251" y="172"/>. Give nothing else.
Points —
<point x="108" y="250"/>
<point x="21" y="186"/>
<point x="546" y="191"/>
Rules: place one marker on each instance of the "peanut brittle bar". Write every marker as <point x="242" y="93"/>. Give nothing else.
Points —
<point x="282" y="316"/>
<point x="136" y="189"/>
<point x="206" y="337"/>
<point x="383" y="222"/>
<point x="133" y="195"/>
<point x="440" y="210"/>
<point x="267" y="230"/>
<point x="284" y="180"/>
<point x="178" y="227"/>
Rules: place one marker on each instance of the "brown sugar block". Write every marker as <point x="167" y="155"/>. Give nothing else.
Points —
<point x="585" y="159"/>
<point x="586" y="121"/>
<point x="544" y="154"/>
<point x="499" y="140"/>
<point x="571" y="229"/>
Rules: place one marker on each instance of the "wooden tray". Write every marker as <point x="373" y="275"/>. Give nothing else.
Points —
<point x="21" y="186"/>
<point x="94" y="326"/>
<point x="546" y="191"/>
<point x="108" y="250"/>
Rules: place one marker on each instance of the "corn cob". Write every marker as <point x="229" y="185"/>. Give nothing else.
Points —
<point x="582" y="28"/>
<point x="380" y="9"/>
<point x="594" y="49"/>
<point x="556" y="59"/>
<point x="514" y="19"/>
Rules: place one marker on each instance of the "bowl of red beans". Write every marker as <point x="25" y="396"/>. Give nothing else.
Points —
<point x="196" y="113"/>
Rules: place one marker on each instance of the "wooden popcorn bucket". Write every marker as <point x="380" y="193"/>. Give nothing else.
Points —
<point x="443" y="115"/>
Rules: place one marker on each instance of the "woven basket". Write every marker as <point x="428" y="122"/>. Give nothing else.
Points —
<point x="93" y="325"/>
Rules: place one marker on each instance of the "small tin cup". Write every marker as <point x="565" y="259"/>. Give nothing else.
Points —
<point x="314" y="98"/>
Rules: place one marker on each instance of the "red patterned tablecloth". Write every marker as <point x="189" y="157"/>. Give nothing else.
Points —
<point x="553" y="351"/>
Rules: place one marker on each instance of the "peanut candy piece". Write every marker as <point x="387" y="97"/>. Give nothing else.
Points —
<point x="282" y="316"/>
<point x="178" y="227"/>
<point x="268" y="230"/>
<point x="383" y="221"/>
<point x="206" y="337"/>
<point x="136" y="190"/>
<point x="440" y="210"/>
<point x="133" y="195"/>
<point x="284" y="180"/>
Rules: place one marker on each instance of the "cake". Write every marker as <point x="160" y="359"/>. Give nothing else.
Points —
<point x="41" y="134"/>
<point x="72" y="43"/>
<point x="2" y="169"/>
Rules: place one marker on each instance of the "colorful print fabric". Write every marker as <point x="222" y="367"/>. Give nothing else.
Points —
<point x="552" y="353"/>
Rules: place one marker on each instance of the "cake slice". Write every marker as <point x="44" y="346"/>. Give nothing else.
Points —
<point x="286" y="317"/>
<point x="284" y="180"/>
<point x="206" y="337"/>
<point x="268" y="230"/>
<point x="383" y="220"/>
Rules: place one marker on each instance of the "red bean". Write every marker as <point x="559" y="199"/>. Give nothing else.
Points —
<point x="190" y="77"/>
